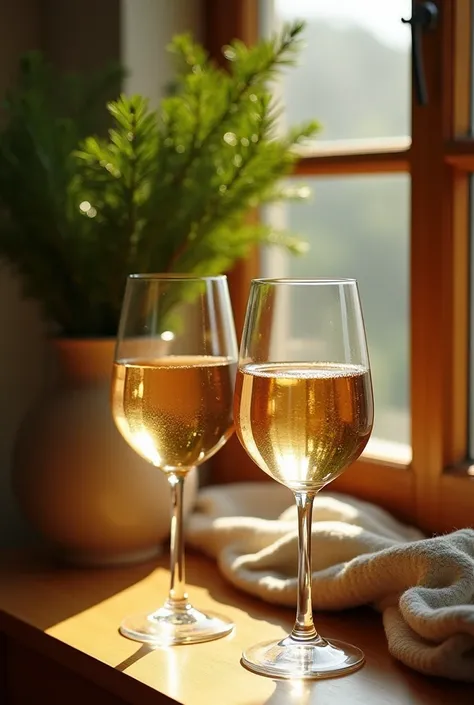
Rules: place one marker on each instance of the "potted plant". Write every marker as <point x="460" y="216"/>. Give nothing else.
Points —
<point x="164" y="192"/>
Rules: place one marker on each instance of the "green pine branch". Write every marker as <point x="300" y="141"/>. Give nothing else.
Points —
<point x="159" y="191"/>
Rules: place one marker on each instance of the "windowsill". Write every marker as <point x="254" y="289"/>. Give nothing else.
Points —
<point x="462" y="471"/>
<point x="319" y="148"/>
<point x="70" y="617"/>
<point x="388" y="451"/>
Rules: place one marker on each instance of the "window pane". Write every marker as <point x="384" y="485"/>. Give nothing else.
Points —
<point x="471" y="331"/>
<point x="359" y="227"/>
<point x="471" y="72"/>
<point x="354" y="73"/>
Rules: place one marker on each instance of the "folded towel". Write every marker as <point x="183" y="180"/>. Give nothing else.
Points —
<point x="361" y="555"/>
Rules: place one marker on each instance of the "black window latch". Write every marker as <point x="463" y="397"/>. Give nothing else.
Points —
<point x="424" y="17"/>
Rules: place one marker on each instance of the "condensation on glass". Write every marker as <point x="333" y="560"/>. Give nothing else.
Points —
<point x="354" y="72"/>
<point x="358" y="226"/>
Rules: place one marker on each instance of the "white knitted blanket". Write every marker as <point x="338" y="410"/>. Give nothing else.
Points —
<point x="361" y="555"/>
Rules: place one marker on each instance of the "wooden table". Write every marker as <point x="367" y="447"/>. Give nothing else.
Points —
<point x="60" y="645"/>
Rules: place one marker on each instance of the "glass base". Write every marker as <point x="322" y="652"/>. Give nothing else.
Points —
<point x="289" y="658"/>
<point x="175" y="623"/>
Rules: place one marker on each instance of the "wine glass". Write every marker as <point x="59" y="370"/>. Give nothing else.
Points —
<point x="303" y="411"/>
<point x="172" y="391"/>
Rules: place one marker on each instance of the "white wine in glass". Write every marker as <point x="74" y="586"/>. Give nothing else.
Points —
<point x="172" y="392"/>
<point x="303" y="411"/>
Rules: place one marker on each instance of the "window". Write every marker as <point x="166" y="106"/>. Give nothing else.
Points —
<point x="410" y="164"/>
<point x="354" y="77"/>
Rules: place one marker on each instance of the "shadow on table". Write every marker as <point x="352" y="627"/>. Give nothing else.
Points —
<point x="140" y="653"/>
<point x="202" y="572"/>
<point x="363" y="627"/>
<point x="356" y="688"/>
<point x="65" y="590"/>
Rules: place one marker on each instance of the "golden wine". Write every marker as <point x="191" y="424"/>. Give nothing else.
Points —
<point x="174" y="411"/>
<point x="303" y="423"/>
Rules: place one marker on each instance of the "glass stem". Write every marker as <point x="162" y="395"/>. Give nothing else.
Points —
<point x="304" y="629"/>
<point x="177" y="592"/>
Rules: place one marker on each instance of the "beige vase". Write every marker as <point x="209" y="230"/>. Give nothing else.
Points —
<point x="77" y="480"/>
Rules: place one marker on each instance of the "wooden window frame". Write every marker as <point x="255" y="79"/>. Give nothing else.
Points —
<point x="436" y="490"/>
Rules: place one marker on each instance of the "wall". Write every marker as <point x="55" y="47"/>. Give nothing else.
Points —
<point x="147" y="27"/>
<point x="74" y="34"/>
<point x="81" y="34"/>
<point x="22" y="347"/>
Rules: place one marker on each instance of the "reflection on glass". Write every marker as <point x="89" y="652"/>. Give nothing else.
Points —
<point x="359" y="227"/>
<point x="354" y="73"/>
